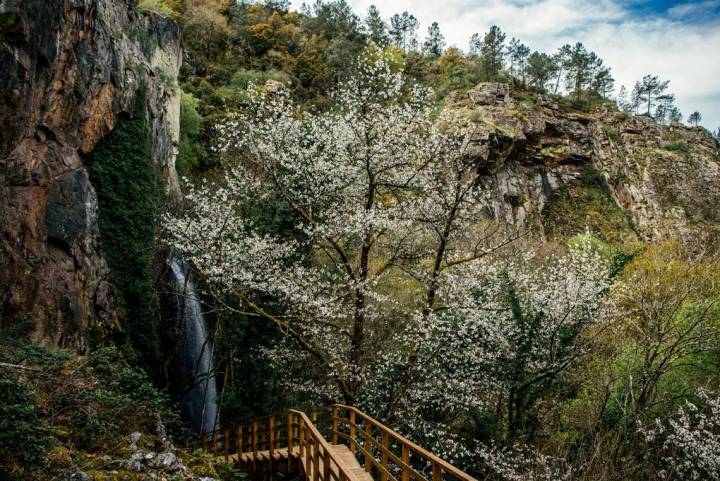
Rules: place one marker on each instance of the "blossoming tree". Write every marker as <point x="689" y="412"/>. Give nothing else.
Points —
<point x="392" y="288"/>
<point x="383" y="198"/>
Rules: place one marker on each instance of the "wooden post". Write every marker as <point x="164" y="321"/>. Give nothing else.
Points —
<point x="368" y="446"/>
<point x="384" y="455"/>
<point x="239" y="443"/>
<point x="226" y="444"/>
<point x="316" y="460"/>
<point x="334" y="424"/>
<point x="326" y="465"/>
<point x="436" y="472"/>
<point x="290" y="441"/>
<point x="272" y="434"/>
<point x="406" y="460"/>
<point x="301" y="437"/>
<point x="352" y="432"/>
<point x="271" y="442"/>
<point x="308" y="453"/>
<point x="254" y="442"/>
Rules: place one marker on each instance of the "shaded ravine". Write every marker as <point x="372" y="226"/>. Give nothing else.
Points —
<point x="194" y="353"/>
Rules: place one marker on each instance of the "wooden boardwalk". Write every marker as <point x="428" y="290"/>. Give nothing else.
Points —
<point x="360" y="449"/>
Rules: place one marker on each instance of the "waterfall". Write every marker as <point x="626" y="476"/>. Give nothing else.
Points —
<point x="194" y="353"/>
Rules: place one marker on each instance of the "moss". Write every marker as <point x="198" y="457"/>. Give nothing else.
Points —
<point x="557" y="151"/>
<point x="129" y="195"/>
<point x="586" y="204"/>
<point x="9" y="23"/>
<point x="79" y="90"/>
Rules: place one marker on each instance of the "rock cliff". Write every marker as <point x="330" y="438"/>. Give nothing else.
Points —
<point x="664" y="179"/>
<point x="68" y="70"/>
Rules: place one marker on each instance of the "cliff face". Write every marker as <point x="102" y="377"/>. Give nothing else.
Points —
<point x="664" y="179"/>
<point x="68" y="69"/>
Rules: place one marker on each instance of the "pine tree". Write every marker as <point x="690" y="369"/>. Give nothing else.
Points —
<point x="403" y="30"/>
<point x="560" y="59"/>
<point x="434" y="42"/>
<point x="666" y="111"/>
<point x="635" y="98"/>
<point x="695" y="118"/>
<point x="376" y="27"/>
<point x="475" y="44"/>
<point x="622" y="99"/>
<point x="541" y="67"/>
<point x="493" y="52"/>
<point x="578" y="64"/>
<point x="518" y="54"/>
<point x="651" y="90"/>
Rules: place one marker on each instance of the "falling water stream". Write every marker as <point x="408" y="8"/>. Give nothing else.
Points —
<point x="194" y="353"/>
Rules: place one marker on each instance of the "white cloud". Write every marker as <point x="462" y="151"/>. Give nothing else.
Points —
<point x="684" y="52"/>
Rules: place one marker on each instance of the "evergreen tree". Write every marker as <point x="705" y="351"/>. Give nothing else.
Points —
<point x="602" y="82"/>
<point x="475" y="44"/>
<point x="578" y="64"/>
<point x="493" y="52"/>
<point x="666" y="111"/>
<point x="622" y="100"/>
<point x="376" y="27"/>
<point x="278" y="5"/>
<point x="403" y="30"/>
<point x="652" y="90"/>
<point x="434" y="42"/>
<point x="635" y="98"/>
<point x="518" y="54"/>
<point x="695" y="118"/>
<point x="541" y="67"/>
<point x="560" y="59"/>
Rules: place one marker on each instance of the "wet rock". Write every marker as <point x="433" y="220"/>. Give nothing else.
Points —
<point x="67" y="70"/>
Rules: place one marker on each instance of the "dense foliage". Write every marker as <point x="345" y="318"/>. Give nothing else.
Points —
<point x="57" y="409"/>
<point x="130" y="196"/>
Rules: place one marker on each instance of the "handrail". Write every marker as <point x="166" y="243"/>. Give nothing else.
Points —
<point x="313" y="448"/>
<point x="368" y="445"/>
<point x="258" y="441"/>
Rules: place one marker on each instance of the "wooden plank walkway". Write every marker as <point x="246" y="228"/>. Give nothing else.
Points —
<point x="261" y="456"/>
<point x="361" y="449"/>
<point x="344" y="458"/>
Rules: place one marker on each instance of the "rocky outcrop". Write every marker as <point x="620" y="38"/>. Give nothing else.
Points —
<point x="68" y="69"/>
<point x="665" y="178"/>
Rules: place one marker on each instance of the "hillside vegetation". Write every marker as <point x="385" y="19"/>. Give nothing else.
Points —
<point x="487" y="250"/>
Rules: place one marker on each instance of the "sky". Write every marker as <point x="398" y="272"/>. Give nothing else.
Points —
<point x="677" y="40"/>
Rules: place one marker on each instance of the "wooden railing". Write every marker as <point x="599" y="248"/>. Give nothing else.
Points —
<point x="315" y="453"/>
<point x="263" y="434"/>
<point x="385" y="453"/>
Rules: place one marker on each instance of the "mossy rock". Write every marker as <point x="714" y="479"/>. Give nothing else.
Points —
<point x="586" y="204"/>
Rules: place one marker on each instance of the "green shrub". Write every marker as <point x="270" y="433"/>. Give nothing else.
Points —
<point x="191" y="151"/>
<point x="677" y="146"/>
<point x="121" y="400"/>
<point x="611" y="133"/>
<point x="24" y="437"/>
